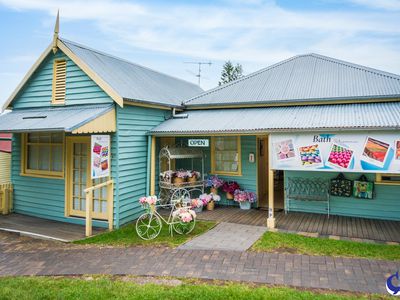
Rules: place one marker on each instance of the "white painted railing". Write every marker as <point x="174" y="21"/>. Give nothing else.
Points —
<point x="89" y="205"/>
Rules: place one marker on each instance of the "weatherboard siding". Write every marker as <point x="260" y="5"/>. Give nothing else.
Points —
<point x="133" y="124"/>
<point x="39" y="197"/>
<point x="385" y="204"/>
<point x="248" y="179"/>
<point x="80" y="89"/>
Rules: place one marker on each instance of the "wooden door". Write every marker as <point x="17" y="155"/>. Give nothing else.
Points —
<point x="262" y="160"/>
<point x="78" y="179"/>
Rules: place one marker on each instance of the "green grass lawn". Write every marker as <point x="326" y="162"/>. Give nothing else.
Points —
<point x="293" y="243"/>
<point x="127" y="236"/>
<point x="21" y="288"/>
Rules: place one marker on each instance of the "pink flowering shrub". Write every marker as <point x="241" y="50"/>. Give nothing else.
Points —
<point x="185" y="215"/>
<point x="205" y="198"/>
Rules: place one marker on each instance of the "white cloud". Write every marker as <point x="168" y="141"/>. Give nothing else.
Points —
<point x="382" y="4"/>
<point x="256" y="34"/>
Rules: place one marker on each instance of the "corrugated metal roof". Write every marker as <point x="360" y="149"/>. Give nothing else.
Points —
<point x="285" y="118"/>
<point x="134" y="82"/>
<point x="66" y="118"/>
<point x="309" y="77"/>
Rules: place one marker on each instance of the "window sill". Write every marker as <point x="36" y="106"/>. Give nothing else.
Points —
<point x="226" y="174"/>
<point x="387" y="183"/>
<point x="41" y="176"/>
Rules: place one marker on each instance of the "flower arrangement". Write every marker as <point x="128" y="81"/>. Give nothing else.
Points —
<point x="192" y="173"/>
<point x="196" y="203"/>
<point x="214" y="182"/>
<point x="215" y="197"/>
<point x="186" y="215"/>
<point x="205" y="198"/>
<point x="181" y="174"/>
<point x="148" y="202"/>
<point x="167" y="175"/>
<point x="230" y="187"/>
<point x="241" y="196"/>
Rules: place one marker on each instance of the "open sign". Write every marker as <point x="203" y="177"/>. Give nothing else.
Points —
<point x="198" y="143"/>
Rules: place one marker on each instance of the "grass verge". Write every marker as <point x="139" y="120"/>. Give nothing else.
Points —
<point x="106" y="287"/>
<point x="293" y="243"/>
<point x="127" y="236"/>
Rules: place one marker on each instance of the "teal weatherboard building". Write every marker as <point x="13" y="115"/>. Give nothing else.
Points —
<point x="276" y="132"/>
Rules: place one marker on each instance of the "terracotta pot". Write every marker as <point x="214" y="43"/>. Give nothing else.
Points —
<point x="192" y="179"/>
<point x="210" y="205"/>
<point x="178" y="181"/>
<point x="229" y="196"/>
<point x="214" y="191"/>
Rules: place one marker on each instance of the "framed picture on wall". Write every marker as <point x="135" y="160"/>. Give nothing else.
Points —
<point x="375" y="151"/>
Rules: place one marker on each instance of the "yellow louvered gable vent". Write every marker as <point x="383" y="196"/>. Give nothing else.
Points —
<point x="59" y="81"/>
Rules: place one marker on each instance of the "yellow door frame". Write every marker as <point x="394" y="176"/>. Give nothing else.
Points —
<point x="69" y="163"/>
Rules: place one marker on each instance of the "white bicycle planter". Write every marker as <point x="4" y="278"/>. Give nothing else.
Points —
<point x="149" y="224"/>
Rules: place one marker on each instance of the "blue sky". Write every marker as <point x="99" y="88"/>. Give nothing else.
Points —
<point x="164" y="34"/>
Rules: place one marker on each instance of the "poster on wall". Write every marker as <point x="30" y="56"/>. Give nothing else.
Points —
<point x="374" y="152"/>
<point x="100" y="156"/>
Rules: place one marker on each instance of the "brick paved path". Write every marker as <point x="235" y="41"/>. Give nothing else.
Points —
<point x="226" y="236"/>
<point x="24" y="256"/>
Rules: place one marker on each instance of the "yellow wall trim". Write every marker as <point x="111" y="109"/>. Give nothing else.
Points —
<point x="380" y="180"/>
<point x="104" y="123"/>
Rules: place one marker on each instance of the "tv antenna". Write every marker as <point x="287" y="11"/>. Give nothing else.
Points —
<point x="199" y="63"/>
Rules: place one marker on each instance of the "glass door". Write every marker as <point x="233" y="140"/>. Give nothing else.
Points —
<point x="78" y="179"/>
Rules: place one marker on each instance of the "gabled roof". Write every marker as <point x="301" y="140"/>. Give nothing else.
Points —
<point x="303" y="78"/>
<point x="336" y="117"/>
<point x="120" y="79"/>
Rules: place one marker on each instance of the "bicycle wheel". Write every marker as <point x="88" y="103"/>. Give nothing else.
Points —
<point x="181" y="227"/>
<point x="148" y="226"/>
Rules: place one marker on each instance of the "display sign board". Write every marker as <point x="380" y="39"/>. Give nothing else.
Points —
<point x="198" y="143"/>
<point x="100" y="156"/>
<point x="373" y="152"/>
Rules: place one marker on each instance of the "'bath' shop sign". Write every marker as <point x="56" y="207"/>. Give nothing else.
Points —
<point x="100" y="156"/>
<point x="368" y="152"/>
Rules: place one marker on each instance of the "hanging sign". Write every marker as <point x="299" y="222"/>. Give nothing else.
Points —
<point x="374" y="152"/>
<point x="100" y="156"/>
<point x="198" y="143"/>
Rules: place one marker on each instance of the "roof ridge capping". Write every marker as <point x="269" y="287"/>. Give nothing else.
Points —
<point x="315" y="55"/>
<point x="225" y="85"/>
<point x="122" y="59"/>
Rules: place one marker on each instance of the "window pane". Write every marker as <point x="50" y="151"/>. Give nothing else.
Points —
<point x="226" y="155"/>
<point x="44" y="137"/>
<point x="96" y="205"/>
<point x="44" y="158"/>
<point x="103" y="206"/>
<point x="57" y="138"/>
<point x="33" y="137"/>
<point x="33" y="157"/>
<point x="56" y="157"/>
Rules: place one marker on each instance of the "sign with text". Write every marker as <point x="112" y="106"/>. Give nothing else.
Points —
<point x="100" y="156"/>
<point x="198" y="143"/>
<point x="373" y="152"/>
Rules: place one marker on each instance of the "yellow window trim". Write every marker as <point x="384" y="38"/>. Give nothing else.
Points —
<point x="216" y="172"/>
<point x="379" y="180"/>
<point x="59" y="81"/>
<point x="38" y="173"/>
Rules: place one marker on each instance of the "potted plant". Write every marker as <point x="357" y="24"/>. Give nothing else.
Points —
<point x="148" y="203"/>
<point x="244" y="198"/>
<point x="193" y="176"/>
<point x="185" y="215"/>
<point x="180" y="177"/>
<point x="214" y="183"/>
<point x="167" y="176"/>
<point x="211" y="203"/>
<point x="197" y="205"/>
<point x="205" y="198"/>
<point x="229" y="188"/>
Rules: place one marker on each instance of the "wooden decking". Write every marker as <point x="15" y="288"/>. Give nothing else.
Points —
<point x="42" y="228"/>
<point x="314" y="223"/>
